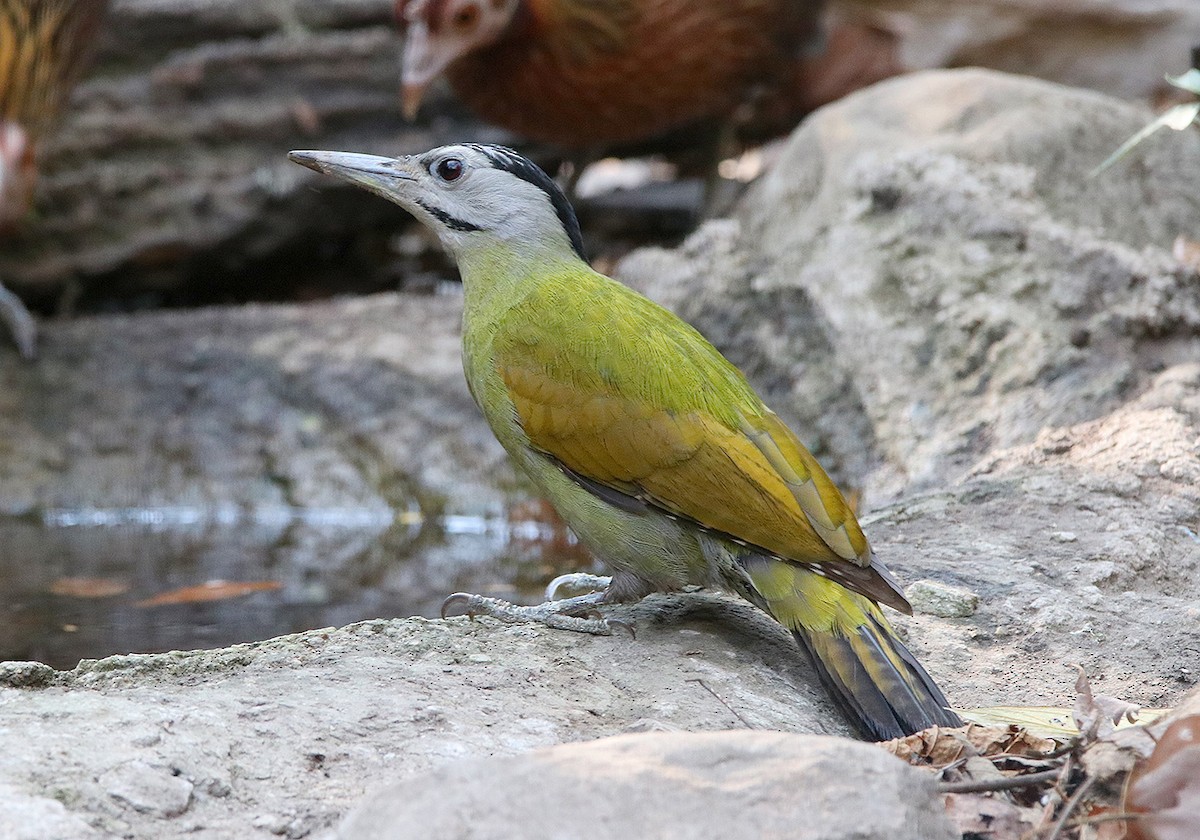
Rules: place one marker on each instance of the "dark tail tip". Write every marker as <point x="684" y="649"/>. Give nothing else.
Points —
<point x="884" y="696"/>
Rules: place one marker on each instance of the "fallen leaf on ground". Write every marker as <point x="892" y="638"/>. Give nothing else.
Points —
<point x="1044" y="721"/>
<point x="939" y="746"/>
<point x="980" y="815"/>
<point x="1107" y="823"/>
<point x="213" y="590"/>
<point x="1165" y="788"/>
<point x="1097" y="716"/>
<point x="936" y="746"/>
<point x="81" y="587"/>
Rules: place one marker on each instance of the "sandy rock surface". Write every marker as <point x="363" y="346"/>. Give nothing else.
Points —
<point x="1001" y="353"/>
<point x="285" y="735"/>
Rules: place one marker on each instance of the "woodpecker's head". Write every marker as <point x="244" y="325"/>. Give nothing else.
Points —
<point x="472" y="196"/>
<point x="17" y="173"/>
<point x="439" y="32"/>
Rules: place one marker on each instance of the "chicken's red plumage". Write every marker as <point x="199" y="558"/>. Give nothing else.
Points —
<point x="585" y="73"/>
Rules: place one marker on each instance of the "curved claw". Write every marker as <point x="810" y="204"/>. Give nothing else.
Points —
<point x="624" y="625"/>
<point x="581" y="581"/>
<point x="463" y="598"/>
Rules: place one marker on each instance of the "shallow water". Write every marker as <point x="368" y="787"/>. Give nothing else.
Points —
<point x="89" y="582"/>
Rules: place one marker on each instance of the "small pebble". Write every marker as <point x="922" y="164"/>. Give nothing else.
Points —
<point x="148" y="789"/>
<point x="933" y="598"/>
<point x="274" y="823"/>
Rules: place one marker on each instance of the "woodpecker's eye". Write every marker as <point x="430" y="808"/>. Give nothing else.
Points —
<point x="466" y="16"/>
<point x="449" y="169"/>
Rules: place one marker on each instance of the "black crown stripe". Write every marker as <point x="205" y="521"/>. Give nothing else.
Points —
<point x="513" y="162"/>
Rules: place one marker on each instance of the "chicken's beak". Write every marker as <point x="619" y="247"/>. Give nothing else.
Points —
<point x="425" y="58"/>
<point x="410" y="99"/>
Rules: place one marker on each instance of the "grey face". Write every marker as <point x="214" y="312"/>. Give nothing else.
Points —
<point x="462" y="190"/>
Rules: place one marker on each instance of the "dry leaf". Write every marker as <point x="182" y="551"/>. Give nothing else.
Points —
<point x="1043" y="721"/>
<point x="1165" y="788"/>
<point x="979" y="815"/>
<point x="81" y="587"/>
<point x="1100" y="818"/>
<point x="939" y="746"/>
<point x="1098" y="716"/>
<point x="935" y="746"/>
<point x="213" y="590"/>
<point x="1009" y="740"/>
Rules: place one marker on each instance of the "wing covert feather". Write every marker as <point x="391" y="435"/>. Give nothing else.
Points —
<point x="661" y="415"/>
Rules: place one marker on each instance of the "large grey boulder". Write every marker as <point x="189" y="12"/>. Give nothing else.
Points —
<point x="667" y="786"/>
<point x="1120" y="47"/>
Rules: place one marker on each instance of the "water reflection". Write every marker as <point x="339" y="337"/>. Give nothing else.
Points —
<point x="89" y="582"/>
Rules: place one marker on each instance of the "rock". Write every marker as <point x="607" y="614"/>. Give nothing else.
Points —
<point x="251" y="408"/>
<point x="934" y="598"/>
<point x="148" y="789"/>
<point x="1121" y="47"/>
<point x="26" y="674"/>
<point x="25" y="817"/>
<point x="332" y="713"/>
<point x="676" y="785"/>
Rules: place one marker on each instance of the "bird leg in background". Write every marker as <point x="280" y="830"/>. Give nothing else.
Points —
<point x="571" y="167"/>
<point x="720" y="193"/>
<point x="19" y="321"/>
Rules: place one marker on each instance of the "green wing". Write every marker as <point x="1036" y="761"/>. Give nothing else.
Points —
<point x="623" y="393"/>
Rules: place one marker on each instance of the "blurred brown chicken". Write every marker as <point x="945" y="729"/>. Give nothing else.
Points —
<point x="43" y="47"/>
<point x="584" y="74"/>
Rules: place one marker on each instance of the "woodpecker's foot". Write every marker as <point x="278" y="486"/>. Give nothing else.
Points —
<point x="19" y="321"/>
<point x="576" y="583"/>
<point x="577" y="614"/>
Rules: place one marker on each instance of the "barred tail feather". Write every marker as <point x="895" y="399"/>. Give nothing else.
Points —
<point x="875" y="681"/>
<point x="873" y="678"/>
